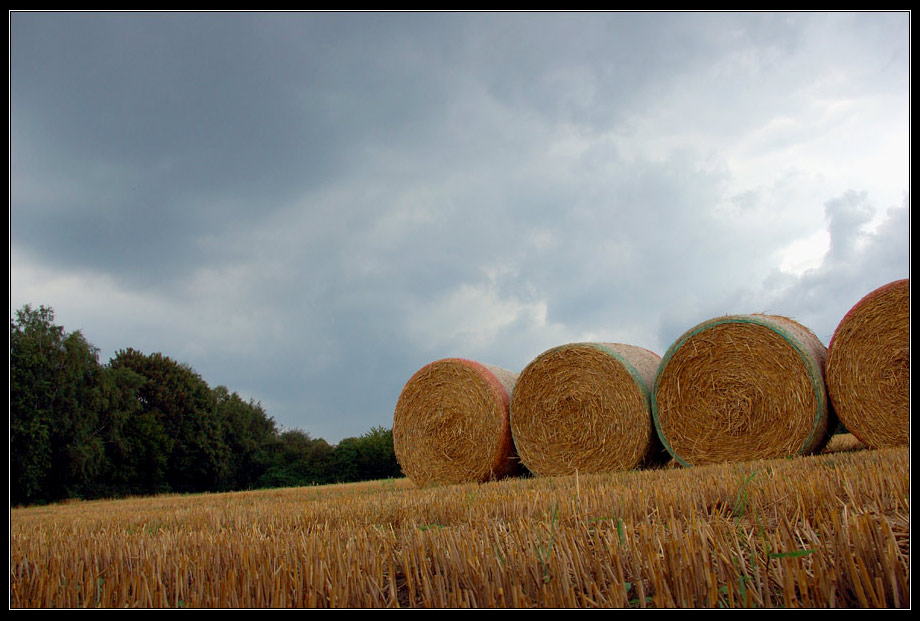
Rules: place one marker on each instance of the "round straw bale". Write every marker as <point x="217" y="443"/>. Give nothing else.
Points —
<point x="451" y="423"/>
<point x="584" y="407"/>
<point x="742" y="387"/>
<point x="868" y="367"/>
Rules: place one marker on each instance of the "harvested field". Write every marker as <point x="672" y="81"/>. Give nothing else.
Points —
<point x="868" y="367"/>
<point x="742" y="387"/>
<point x="451" y="423"/>
<point x="830" y="530"/>
<point x="584" y="407"/>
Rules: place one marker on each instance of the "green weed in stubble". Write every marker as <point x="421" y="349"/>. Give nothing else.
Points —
<point x="742" y="498"/>
<point x="545" y="551"/>
<point x="633" y="602"/>
<point x="791" y="554"/>
<point x="741" y="506"/>
<point x="621" y="532"/>
<point x="432" y="526"/>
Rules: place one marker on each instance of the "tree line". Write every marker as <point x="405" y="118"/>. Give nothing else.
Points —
<point x="146" y="424"/>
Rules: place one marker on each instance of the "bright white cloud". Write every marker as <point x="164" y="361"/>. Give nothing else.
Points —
<point x="805" y="254"/>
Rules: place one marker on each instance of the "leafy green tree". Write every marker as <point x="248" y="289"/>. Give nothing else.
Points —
<point x="376" y="456"/>
<point x="56" y="435"/>
<point x="35" y="343"/>
<point x="136" y="443"/>
<point x="297" y="459"/>
<point x="345" y="460"/>
<point x="367" y="457"/>
<point x="319" y="459"/>
<point x="79" y="430"/>
<point x="174" y="397"/>
<point x="248" y="435"/>
<point x="145" y="424"/>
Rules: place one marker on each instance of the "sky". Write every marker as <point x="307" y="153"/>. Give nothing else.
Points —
<point x="307" y="208"/>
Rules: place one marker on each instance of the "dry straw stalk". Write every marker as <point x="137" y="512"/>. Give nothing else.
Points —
<point x="451" y="423"/>
<point x="828" y="531"/>
<point x="584" y="407"/>
<point x="742" y="387"/>
<point x="868" y="367"/>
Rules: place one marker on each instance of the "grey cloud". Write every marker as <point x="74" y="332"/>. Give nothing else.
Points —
<point x="846" y="216"/>
<point x="293" y="191"/>
<point x="161" y="130"/>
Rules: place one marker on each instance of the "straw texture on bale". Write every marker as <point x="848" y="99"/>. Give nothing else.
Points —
<point x="452" y="425"/>
<point x="868" y="367"/>
<point x="584" y="407"/>
<point x="742" y="387"/>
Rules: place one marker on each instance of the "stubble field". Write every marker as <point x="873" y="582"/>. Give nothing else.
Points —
<point x="831" y="530"/>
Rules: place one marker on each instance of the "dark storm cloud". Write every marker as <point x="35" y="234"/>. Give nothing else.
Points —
<point x="137" y="136"/>
<point x="145" y="133"/>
